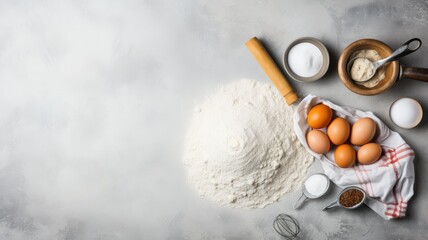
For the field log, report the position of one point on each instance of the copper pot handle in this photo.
(415, 73)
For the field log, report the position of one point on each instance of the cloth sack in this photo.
(388, 182)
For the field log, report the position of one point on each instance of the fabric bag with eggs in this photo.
(389, 181)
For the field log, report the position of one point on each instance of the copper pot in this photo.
(393, 70)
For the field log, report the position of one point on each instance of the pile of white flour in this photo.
(241, 149)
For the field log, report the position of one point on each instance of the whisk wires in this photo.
(286, 226)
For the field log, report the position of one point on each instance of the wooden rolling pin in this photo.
(272, 70)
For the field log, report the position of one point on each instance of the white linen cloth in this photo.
(389, 181)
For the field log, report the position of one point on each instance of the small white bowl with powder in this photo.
(306, 59)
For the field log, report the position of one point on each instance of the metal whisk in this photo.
(286, 226)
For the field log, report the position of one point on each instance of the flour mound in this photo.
(241, 149)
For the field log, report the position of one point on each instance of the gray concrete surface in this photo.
(95, 98)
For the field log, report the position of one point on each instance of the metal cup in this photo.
(306, 195)
(337, 202)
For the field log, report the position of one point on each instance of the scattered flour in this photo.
(241, 149)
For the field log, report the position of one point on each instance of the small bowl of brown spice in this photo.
(349, 198)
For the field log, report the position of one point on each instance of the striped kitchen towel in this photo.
(389, 181)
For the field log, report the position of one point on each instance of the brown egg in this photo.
(319, 116)
(363, 131)
(338, 131)
(369, 153)
(345, 156)
(318, 141)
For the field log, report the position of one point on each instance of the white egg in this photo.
(406, 112)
